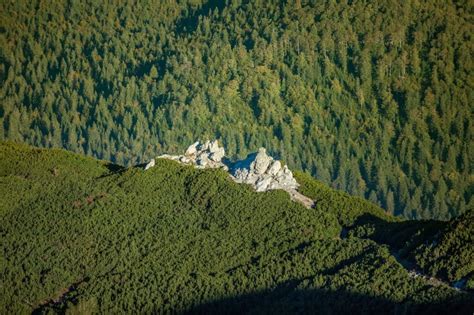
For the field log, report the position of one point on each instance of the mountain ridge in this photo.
(258, 169)
(175, 238)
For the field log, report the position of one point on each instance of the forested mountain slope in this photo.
(82, 235)
(373, 97)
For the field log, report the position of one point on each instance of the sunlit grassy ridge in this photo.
(80, 234)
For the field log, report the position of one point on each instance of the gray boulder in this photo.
(264, 173)
(263, 183)
(192, 149)
(203, 160)
(214, 147)
(261, 162)
(274, 168)
(217, 155)
(202, 155)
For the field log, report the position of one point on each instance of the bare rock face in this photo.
(214, 147)
(202, 155)
(261, 162)
(264, 173)
(263, 183)
(192, 149)
(150, 164)
(258, 169)
(274, 168)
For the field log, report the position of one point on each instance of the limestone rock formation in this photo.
(258, 169)
(263, 173)
(202, 155)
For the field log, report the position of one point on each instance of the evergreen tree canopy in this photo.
(372, 97)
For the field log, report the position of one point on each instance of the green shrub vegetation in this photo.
(440, 249)
(372, 97)
(80, 235)
(347, 209)
(450, 253)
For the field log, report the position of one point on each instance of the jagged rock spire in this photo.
(263, 172)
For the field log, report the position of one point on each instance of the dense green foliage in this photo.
(81, 235)
(346, 209)
(440, 249)
(450, 254)
(374, 97)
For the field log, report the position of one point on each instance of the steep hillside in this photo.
(439, 249)
(85, 235)
(372, 97)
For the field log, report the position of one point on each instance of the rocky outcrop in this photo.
(150, 164)
(259, 169)
(202, 155)
(263, 173)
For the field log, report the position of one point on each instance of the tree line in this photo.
(371, 97)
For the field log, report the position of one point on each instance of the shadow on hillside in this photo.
(189, 24)
(113, 169)
(287, 299)
(398, 235)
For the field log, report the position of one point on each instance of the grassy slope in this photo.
(175, 238)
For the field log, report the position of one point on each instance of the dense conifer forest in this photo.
(82, 236)
(372, 97)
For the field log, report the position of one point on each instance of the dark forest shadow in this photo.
(398, 235)
(190, 23)
(113, 169)
(287, 299)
